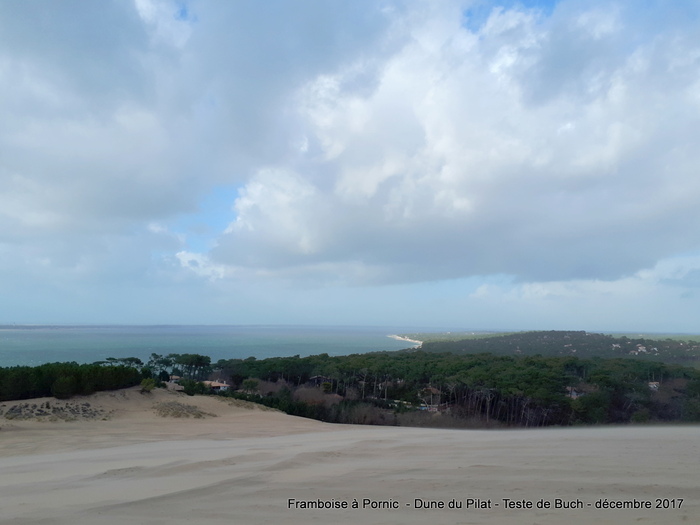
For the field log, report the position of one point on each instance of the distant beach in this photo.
(402, 338)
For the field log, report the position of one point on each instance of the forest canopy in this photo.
(527, 379)
(567, 343)
(64, 380)
(514, 390)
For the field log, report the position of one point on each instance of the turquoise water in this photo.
(34, 345)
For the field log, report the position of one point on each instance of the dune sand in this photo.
(127, 458)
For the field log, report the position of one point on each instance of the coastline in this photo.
(402, 338)
(86, 344)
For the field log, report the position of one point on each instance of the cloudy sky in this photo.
(459, 164)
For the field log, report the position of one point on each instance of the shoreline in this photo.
(402, 338)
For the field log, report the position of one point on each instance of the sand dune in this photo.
(240, 465)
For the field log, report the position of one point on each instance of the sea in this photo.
(36, 345)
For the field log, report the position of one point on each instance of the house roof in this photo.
(215, 384)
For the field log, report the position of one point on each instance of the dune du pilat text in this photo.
(485, 504)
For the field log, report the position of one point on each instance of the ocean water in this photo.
(35, 345)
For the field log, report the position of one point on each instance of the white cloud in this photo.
(458, 158)
(372, 144)
(645, 298)
(201, 265)
(274, 219)
(164, 17)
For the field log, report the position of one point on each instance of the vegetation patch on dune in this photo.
(180, 410)
(52, 411)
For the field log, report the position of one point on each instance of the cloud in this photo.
(131, 112)
(83, 146)
(547, 151)
(125, 115)
(547, 148)
(657, 299)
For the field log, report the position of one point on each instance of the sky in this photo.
(476, 164)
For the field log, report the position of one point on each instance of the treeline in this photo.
(511, 390)
(64, 380)
(407, 387)
(346, 411)
(194, 367)
(573, 343)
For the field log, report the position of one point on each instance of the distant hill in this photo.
(572, 343)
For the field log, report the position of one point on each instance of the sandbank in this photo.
(407, 339)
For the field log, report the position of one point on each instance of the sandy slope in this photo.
(243, 466)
